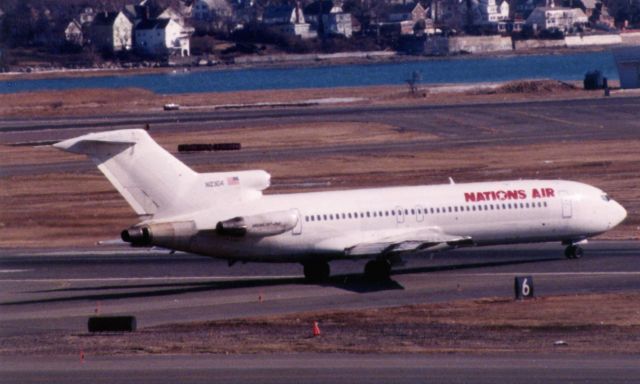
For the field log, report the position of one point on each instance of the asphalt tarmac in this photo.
(58, 291)
(50, 291)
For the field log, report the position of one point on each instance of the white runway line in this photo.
(623, 273)
(15, 270)
(185, 278)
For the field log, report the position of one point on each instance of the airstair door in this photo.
(297, 230)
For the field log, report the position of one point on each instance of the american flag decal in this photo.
(233, 180)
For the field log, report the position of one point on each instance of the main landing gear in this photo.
(573, 252)
(377, 270)
(316, 271)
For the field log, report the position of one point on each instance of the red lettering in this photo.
(522, 194)
(549, 192)
(480, 196)
(535, 194)
(501, 195)
(487, 195)
(469, 196)
(512, 195)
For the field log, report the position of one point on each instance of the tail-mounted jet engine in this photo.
(267, 224)
(175, 235)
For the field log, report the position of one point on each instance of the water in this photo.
(454, 70)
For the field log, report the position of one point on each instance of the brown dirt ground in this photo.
(132, 100)
(592, 323)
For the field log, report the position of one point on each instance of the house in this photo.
(112, 31)
(598, 14)
(288, 20)
(73, 33)
(406, 12)
(404, 19)
(328, 18)
(208, 10)
(557, 18)
(162, 37)
(449, 15)
(489, 12)
(86, 16)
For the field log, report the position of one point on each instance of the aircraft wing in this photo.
(411, 240)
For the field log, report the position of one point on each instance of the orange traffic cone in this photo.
(316, 329)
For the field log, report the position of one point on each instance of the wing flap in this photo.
(409, 241)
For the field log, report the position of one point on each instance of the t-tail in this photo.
(154, 182)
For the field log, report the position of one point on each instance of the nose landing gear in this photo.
(573, 252)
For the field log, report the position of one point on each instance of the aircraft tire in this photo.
(316, 271)
(573, 252)
(377, 270)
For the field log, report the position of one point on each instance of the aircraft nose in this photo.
(618, 214)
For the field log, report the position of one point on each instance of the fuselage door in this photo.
(399, 215)
(297, 230)
(567, 209)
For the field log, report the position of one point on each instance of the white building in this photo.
(328, 18)
(288, 20)
(73, 33)
(490, 12)
(160, 37)
(112, 31)
(557, 18)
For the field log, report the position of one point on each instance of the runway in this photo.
(58, 291)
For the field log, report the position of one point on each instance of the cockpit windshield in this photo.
(606, 197)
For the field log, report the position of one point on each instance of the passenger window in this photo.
(450, 210)
(393, 213)
(324, 216)
(368, 214)
(479, 207)
(431, 210)
(330, 217)
(386, 213)
(374, 214)
(473, 208)
(504, 206)
(455, 209)
(545, 203)
(406, 211)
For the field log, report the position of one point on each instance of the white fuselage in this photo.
(488, 212)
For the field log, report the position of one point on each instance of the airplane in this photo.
(226, 215)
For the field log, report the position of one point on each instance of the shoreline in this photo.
(284, 61)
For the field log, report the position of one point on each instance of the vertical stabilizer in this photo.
(146, 175)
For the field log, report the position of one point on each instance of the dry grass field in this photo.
(557, 324)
